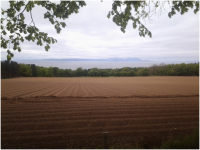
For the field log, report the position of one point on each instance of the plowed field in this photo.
(73, 112)
(100, 87)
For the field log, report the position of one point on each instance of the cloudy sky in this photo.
(90, 34)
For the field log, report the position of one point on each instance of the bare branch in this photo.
(31, 16)
(30, 23)
(32, 19)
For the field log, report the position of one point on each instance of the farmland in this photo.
(73, 112)
(100, 87)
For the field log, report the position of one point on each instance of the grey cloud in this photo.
(90, 34)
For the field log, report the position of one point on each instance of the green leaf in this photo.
(169, 14)
(58, 30)
(47, 47)
(19, 49)
(134, 25)
(12, 55)
(2, 19)
(15, 47)
(22, 39)
(149, 33)
(32, 38)
(4, 32)
(63, 24)
(8, 57)
(15, 19)
(108, 15)
(8, 51)
(146, 31)
(22, 16)
(122, 29)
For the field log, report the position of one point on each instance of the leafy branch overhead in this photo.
(14, 24)
(143, 10)
(121, 18)
(14, 29)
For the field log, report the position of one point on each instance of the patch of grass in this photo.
(188, 142)
(178, 142)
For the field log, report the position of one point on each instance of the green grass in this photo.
(188, 142)
(181, 142)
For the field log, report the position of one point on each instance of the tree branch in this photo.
(30, 23)
(31, 16)
(24, 8)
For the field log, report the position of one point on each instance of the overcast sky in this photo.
(90, 34)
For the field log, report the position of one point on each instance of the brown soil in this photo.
(76, 111)
(106, 87)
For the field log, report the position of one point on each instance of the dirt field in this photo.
(73, 112)
(98, 87)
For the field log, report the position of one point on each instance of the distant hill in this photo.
(109, 59)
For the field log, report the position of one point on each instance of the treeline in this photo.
(183, 69)
(13, 69)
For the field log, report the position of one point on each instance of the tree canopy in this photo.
(15, 30)
(13, 69)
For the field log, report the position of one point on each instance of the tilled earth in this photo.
(106, 87)
(134, 111)
(50, 122)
